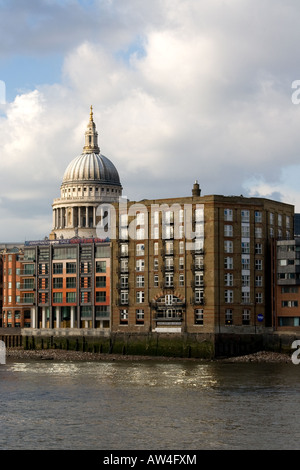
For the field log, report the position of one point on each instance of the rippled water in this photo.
(149, 405)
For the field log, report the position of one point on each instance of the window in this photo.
(155, 248)
(140, 233)
(245, 230)
(181, 280)
(228, 215)
(140, 264)
(124, 281)
(124, 316)
(228, 279)
(71, 282)
(101, 296)
(124, 265)
(71, 268)
(228, 296)
(181, 263)
(199, 282)
(139, 315)
(101, 281)
(271, 218)
(245, 263)
(246, 317)
(245, 280)
(198, 262)
(289, 303)
(169, 264)
(258, 248)
(228, 263)
(228, 246)
(140, 281)
(258, 217)
(155, 282)
(57, 297)
(57, 282)
(169, 279)
(245, 215)
(169, 246)
(228, 231)
(259, 297)
(245, 247)
(124, 297)
(228, 317)
(279, 220)
(199, 316)
(140, 295)
(71, 297)
(258, 232)
(100, 266)
(258, 264)
(140, 249)
(246, 297)
(155, 264)
(64, 253)
(124, 249)
(199, 296)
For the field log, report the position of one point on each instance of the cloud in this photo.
(180, 90)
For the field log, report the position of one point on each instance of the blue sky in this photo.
(181, 90)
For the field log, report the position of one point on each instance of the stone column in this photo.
(72, 317)
(87, 216)
(33, 318)
(43, 317)
(72, 217)
(57, 317)
(94, 216)
(79, 217)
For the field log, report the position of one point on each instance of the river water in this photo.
(148, 405)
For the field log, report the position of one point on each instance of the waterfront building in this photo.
(287, 285)
(61, 285)
(217, 279)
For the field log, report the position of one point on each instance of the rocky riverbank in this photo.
(64, 355)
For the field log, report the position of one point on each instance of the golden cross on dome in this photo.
(91, 113)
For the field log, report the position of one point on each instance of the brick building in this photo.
(218, 276)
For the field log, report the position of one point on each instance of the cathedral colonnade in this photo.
(74, 216)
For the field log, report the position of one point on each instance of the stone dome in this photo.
(91, 168)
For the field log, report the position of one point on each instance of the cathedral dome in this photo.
(91, 168)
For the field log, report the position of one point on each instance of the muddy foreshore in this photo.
(63, 355)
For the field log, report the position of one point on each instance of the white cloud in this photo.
(180, 90)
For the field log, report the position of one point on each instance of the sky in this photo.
(181, 90)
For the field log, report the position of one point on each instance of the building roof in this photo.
(91, 166)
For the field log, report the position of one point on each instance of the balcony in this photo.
(26, 301)
(168, 318)
(26, 272)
